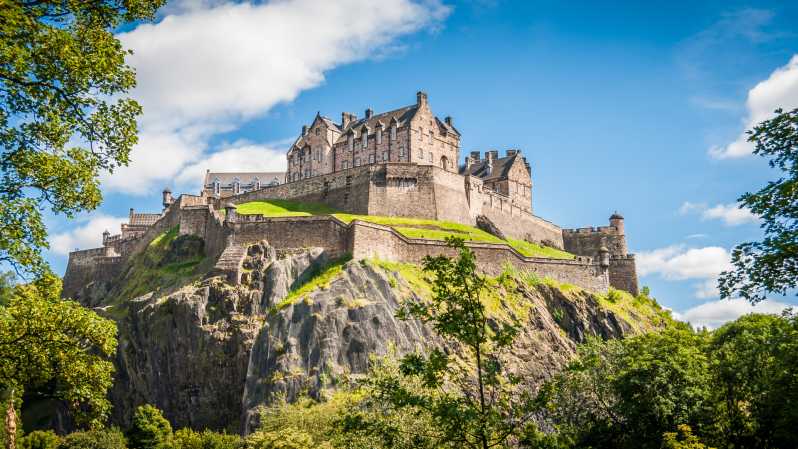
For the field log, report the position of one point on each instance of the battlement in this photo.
(592, 230)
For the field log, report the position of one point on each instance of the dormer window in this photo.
(351, 142)
(317, 131)
(365, 137)
(379, 136)
(236, 186)
(393, 131)
(217, 186)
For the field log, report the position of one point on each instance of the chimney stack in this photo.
(512, 152)
(421, 99)
(347, 118)
(448, 120)
(304, 129)
(369, 113)
(475, 156)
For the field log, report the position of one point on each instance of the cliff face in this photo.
(208, 353)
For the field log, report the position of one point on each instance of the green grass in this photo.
(283, 208)
(319, 278)
(409, 227)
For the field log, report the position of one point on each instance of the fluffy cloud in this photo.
(86, 235)
(209, 66)
(730, 214)
(780, 90)
(678, 262)
(714, 314)
(252, 157)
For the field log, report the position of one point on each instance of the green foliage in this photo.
(7, 283)
(56, 348)
(755, 360)
(94, 439)
(283, 208)
(190, 439)
(63, 119)
(683, 439)
(285, 438)
(39, 439)
(771, 265)
(478, 402)
(317, 278)
(150, 430)
(169, 260)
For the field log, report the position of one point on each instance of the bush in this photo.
(39, 439)
(190, 439)
(150, 430)
(94, 439)
(286, 438)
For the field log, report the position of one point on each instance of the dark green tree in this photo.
(63, 119)
(57, 348)
(150, 430)
(94, 439)
(754, 365)
(473, 401)
(771, 265)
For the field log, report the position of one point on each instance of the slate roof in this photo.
(137, 219)
(402, 116)
(245, 178)
(500, 169)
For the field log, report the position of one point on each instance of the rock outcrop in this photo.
(209, 353)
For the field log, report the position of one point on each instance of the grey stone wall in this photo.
(623, 273)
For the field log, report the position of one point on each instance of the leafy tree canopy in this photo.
(62, 120)
(57, 348)
(771, 265)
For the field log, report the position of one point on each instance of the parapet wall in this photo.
(588, 241)
(623, 273)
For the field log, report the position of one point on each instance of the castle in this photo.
(398, 163)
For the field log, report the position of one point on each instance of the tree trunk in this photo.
(11, 424)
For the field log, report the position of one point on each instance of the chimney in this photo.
(512, 152)
(369, 113)
(304, 129)
(526, 164)
(448, 120)
(347, 118)
(131, 215)
(421, 99)
(475, 156)
(492, 155)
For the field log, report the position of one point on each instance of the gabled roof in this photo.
(401, 115)
(499, 169)
(227, 178)
(447, 127)
(138, 219)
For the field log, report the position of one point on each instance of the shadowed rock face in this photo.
(209, 354)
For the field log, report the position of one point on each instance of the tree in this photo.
(62, 120)
(94, 439)
(771, 265)
(150, 430)
(628, 393)
(472, 400)
(57, 348)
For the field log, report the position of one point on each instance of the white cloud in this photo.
(87, 235)
(210, 66)
(714, 314)
(780, 90)
(250, 156)
(730, 214)
(678, 263)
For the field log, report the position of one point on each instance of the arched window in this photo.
(393, 131)
(236, 186)
(217, 186)
(444, 163)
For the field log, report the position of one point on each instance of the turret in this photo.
(106, 235)
(167, 198)
(229, 212)
(604, 257)
(616, 220)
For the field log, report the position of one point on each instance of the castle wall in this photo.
(87, 266)
(587, 241)
(402, 190)
(293, 232)
(451, 203)
(381, 242)
(623, 273)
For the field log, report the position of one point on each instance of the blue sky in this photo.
(618, 107)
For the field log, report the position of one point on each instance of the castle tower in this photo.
(616, 220)
(167, 198)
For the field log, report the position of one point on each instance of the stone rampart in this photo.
(623, 273)
(588, 241)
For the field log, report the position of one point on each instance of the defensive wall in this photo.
(410, 190)
(359, 238)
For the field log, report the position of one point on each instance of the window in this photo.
(385, 156)
(393, 131)
(379, 136)
(365, 138)
(351, 142)
(430, 156)
(371, 158)
(236, 186)
(317, 131)
(431, 136)
(402, 150)
(421, 154)
(217, 187)
(357, 162)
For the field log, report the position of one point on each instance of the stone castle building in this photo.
(397, 163)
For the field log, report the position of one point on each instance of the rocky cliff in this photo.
(209, 353)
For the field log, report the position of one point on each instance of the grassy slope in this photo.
(409, 227)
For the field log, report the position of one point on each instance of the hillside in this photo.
(209, 353)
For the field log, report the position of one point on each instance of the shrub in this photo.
(190, 439)
(39, 439)
(285, 438)
(94, 439)
(150, 430)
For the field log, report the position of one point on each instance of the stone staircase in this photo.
(230, 261)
